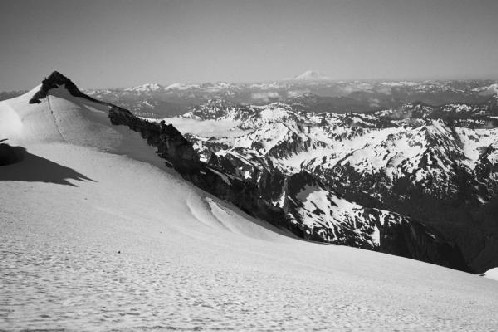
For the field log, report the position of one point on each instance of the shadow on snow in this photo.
(32, 168)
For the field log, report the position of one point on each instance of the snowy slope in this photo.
(187, 260)
(63, 118)
(492, 274)
(180, 267)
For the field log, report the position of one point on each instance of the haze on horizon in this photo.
(103, 43)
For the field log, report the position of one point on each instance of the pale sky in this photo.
(104, 43)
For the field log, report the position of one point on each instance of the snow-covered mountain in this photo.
(311, 90)
(417, 163)
(311, 75)
(97, 233)
(146, 88)
(181, 86)
(378, 164)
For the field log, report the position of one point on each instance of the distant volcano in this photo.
(310, 75)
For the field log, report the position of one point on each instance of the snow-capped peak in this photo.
(181, 86)
(147, 87)
(56, 80)
(311, 75)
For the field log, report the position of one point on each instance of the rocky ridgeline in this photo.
(56, 80)
(170, 144)
(297, 202)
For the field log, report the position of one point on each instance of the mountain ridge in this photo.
(252, 177)
(54, 80)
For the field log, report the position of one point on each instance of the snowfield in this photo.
(96, 235)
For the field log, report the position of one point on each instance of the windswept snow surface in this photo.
(186, 260)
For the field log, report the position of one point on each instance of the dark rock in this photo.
(55, 80)
(170, 143)
(10, 155)
(417, 241)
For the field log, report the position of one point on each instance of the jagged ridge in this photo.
(55, 80)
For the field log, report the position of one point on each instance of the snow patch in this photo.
(492, 274)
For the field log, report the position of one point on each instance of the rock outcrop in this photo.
(55, 80)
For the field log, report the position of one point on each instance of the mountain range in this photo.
(416, 180)
(97, 196)
(337, 177)
(314, 91)
(427, 171)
